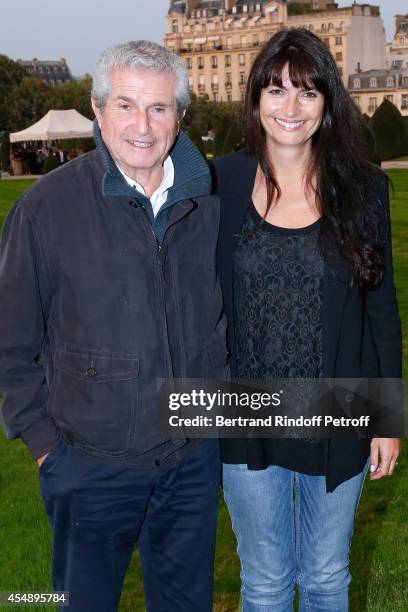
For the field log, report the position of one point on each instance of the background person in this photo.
(105, 275)
(305, 264)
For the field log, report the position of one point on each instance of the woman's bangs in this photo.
(302, 71)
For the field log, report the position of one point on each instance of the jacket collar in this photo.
(191, 172)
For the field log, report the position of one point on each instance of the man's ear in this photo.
(97, 112)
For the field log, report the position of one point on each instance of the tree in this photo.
(75, 95)
(30, 100)
(195, 136)
(229, 127)
(11, 74)
(388, 128)
(233, 139)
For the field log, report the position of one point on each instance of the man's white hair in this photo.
(135, 55)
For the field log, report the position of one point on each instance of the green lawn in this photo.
(379, 558)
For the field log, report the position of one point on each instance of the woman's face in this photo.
(290, 115)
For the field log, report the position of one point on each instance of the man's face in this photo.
(139, 122)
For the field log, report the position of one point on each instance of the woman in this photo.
(305, 263)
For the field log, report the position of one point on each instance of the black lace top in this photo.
(277, 321)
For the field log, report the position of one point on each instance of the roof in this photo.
(54, 125)
(380, 74)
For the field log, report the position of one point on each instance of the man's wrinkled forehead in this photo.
(143, 84)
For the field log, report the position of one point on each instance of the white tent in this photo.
(56, 124)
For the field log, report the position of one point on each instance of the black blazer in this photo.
(361, 331)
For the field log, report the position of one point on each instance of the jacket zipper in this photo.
(158, 250)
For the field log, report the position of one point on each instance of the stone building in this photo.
(369, 88)
(397, 50)
(219, 39)
(49, 71)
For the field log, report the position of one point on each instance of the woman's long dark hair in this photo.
(345, 181)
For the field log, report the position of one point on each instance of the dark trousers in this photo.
(99, 512)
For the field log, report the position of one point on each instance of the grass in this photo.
(379, 555)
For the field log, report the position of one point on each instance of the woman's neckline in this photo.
(284, 230)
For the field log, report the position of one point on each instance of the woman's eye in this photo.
(310, 94)
(275, 92)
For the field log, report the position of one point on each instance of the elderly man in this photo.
(107, 283)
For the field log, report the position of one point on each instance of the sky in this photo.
(80, 29)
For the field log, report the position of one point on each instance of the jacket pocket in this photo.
(217, 360)
(93, 398)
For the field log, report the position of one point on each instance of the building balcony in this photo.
(220, 47)
(372, 108)
(201, 88)
(228, 84)
(214, 86)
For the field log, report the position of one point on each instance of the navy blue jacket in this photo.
(361, 330)
(98, 300)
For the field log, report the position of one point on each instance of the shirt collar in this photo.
(166, 183)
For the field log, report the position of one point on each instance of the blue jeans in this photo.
(290, 530)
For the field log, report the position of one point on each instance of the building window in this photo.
(214, 79)
(373, 82)
(339, 40)
(242, 78)
(404, 81)
(228, 78)
(311, 28)
(356, 100)
(390, 82)
(372, 104)
(174, 26)
(214, 61)
(390, 98)
(404, 101)
(245, 8)
(227, 60)
(357, 83)
(189, 63)
(200, 62)
(255, 40)
(331, 26)
(324, 26)
(190, 82)
(241, 59)
(339, 56)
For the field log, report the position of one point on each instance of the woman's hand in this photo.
(383, 456)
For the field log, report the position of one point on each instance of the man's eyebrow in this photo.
(132, 100)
